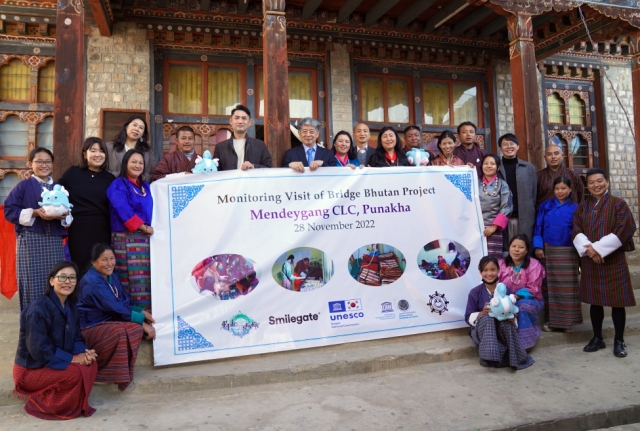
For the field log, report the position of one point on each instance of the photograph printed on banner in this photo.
(225, 276)
(444, 259)
(377, 264)
(302, 269)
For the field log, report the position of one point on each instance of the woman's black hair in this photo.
(486, 260)
(443, 136)
(98, 249)
(290, 257)
(73, 297)
(143, 141)
(494, 157)
(125, 162)
(32, 154)
(353, 152)
(86, 146)
(380, 149)
(527, 258)
(567, 182)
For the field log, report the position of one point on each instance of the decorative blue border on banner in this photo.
(182, 195)
(189, 338)
(464, 184)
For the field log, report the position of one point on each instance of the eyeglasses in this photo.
(308, 132)
(63, 278)
(508, 144)
(43, 162)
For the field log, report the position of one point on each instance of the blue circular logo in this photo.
(403, 305)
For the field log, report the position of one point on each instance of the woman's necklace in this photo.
(113, 289)
(142, 191)
(486, 183)
(516, 274)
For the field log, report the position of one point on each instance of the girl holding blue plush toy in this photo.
(523, 277)
(39, 232)
(494, 334)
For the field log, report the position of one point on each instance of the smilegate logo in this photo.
(342, 306)
(288, 318)
(343, 313)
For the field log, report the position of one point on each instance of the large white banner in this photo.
(269, 260)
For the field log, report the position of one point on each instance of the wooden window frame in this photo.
(205, 86)
(314, 90)
(450, 83)
(385, 97)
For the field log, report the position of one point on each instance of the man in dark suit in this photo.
(309, 154)
(361, 135)
(240, 151)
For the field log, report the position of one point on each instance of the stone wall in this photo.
(341, 97)
(621, 148)
(117, 73)
(504, 99)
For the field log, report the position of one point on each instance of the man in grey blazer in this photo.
(240, 151)
(523, 181)
(361, 135)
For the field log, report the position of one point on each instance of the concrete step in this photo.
(313, 364)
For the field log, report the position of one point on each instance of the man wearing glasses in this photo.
(309, 154)
(523, 182)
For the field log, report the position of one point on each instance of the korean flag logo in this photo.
(353, 304)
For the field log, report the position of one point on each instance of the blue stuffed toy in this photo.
(55, 203)
(502, 306)
(206, 165)
(417, 157)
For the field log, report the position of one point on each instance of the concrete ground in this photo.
(566, 389)
(424, 382)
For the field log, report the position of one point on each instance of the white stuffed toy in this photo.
(206, 164)
(502, 305)
(418, 157)
(55, 203)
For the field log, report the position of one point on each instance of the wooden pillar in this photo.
(526, 96)
(275, 80)
(68, 104)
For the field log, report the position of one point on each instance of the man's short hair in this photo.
(508, 137)
(412, 127)
(467, 123)
(309, 121)
(596, 171)
(241, 108)
(184, 129)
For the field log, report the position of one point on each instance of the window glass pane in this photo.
(185, 89)
(223, 90)
(44, 134)
(300, 85)
(14, 81)
(579, 149)
(46, 83)
(398, 94)
(435, 97)
(465, 103)
(13, 137)
(372, 103)
(6, 184)
(555, 106)
(577, 111)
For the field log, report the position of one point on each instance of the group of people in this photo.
(577, 254)
(71, 337)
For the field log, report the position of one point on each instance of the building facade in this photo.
(556, 69)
